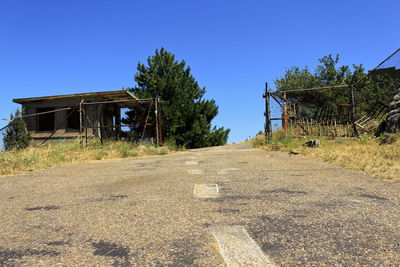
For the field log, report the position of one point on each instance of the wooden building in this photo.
(60, 117)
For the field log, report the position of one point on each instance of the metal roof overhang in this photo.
(122, 98)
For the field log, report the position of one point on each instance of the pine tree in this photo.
(16, 135)
(186, 115)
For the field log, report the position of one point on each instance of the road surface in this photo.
(230, 205)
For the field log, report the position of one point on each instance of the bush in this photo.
(257, 141)
(16, 135)
(388, 138)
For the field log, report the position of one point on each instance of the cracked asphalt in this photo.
(142, 212)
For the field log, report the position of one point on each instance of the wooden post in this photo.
(353, 109)
(156, 121)
(312, 126)
(336, 131)
(267, 114)
(159, 121)
(145, 122)
(81, 123)
(285, 117)
(117, 112)
(86, 128)
(319, 128)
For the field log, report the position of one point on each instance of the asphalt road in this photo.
(162, 211)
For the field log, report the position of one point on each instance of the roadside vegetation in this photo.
(29, 159)
(378, 156)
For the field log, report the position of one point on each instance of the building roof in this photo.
(123, 95)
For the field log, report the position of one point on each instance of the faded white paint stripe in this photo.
(206, 190)
(191, 162)
(195, 171)
(238, 248)
(226, 170)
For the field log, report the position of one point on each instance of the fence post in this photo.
(81, 123)
(353, 109)
(285, 117)
(267, 114)
(156, 121)
(319, 128)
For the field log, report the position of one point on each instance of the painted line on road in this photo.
(206, 190)
(195, 171)
(226, 170)
(238, 248)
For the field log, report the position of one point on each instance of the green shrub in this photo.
(388, 138)
(16, 135)
(259, 140)
(126, 150)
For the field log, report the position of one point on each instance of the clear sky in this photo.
(233, 47)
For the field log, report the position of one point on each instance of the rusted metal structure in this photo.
(324, 122)
(330, 121)
(86, 115)
(339, 120)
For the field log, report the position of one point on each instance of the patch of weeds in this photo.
(388, 138)
(43, 208)
(101, 154)
(257, 141)
(162, 151)
(126, 150)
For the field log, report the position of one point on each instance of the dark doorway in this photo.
(45, 122)
(73, 122)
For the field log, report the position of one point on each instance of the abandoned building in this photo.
(88, 115)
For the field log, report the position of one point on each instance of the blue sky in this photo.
(232, 47)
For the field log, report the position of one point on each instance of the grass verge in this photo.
(379, 157)
(37, 158)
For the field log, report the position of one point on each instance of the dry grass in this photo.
(369, 154)
(37, 158)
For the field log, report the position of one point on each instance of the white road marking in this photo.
(238, 248)
(226, 170)
(195, 171)
(206, 190)
(191, 162)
